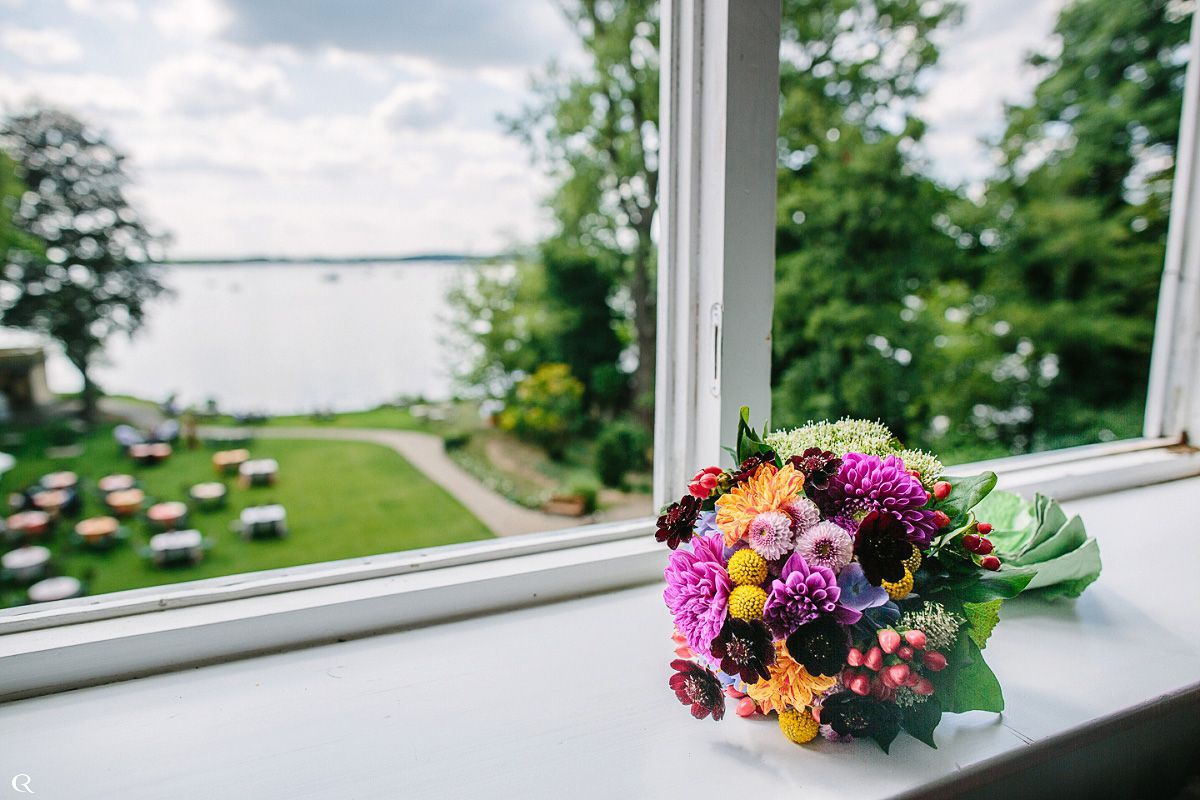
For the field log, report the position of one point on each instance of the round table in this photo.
(48, 590)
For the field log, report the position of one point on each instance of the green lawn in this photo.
(343, 499)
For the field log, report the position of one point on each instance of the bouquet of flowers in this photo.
(848, 586)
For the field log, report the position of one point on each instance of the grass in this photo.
(344, 499)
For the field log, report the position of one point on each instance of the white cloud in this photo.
(118, 10)
(41, 46)
(414, 105)
(184, 19)
(83, 92)
(206, 83)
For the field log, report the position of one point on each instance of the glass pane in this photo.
(973, 203)
(387, 269)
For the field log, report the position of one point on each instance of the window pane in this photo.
(973, 204)
(387, 269)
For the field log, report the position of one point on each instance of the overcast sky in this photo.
(351, 127)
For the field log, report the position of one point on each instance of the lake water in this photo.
(287, 338)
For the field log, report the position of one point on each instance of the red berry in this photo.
(923, 687)
(905, 653)
(941, 490)
(855, 657)
(940, 519)
(985, 547)
(915, 638)
(860, 685)
(971, 542)
(889, 640)
(934, 661)
(898, 673)
(990, 562)
(746, 707)
(874, 659)
(984, 527)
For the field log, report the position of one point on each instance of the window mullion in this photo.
(720, 118)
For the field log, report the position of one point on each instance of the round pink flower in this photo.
(770, 534)
(804, 513)
(826, 544)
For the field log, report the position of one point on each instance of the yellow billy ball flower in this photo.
(913, 562)
(799, 726)
(747, 568)
(901, 588)
(746, 602)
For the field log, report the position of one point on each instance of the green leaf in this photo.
(1067, 538)
(749, 443)
(1001, 585)
(921, 719)
(982, 619)
(966, 493)
(971, 685)
(1050, 520)
(1004, 511)
(1069, 574)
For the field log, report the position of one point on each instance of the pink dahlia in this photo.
(804, 514)
(826, 544)
(870, 483)
(801, 594)
(698, 591)
(770, 534)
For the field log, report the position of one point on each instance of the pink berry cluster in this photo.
(978, 544)
(898, 660)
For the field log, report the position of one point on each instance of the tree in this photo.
(1073, 231)
(858, 238)
(595, 129)
(95, 277)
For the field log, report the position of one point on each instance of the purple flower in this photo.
(698, 591)
(868, 483)
(857, 591)
(801, 594)
(706, 523)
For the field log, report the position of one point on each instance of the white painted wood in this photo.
(1173, 400)
(720, 120)
(165, 628)
(570, 700)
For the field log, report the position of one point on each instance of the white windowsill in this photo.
(570, 699)
(89, 641)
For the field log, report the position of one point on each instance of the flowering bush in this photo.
(845, 584)
(546, 408)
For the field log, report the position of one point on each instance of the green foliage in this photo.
(968, 683)
(545, 408)
(620, 448)
(456, 440)
(588, 492)
(921, 719)
(94, 278)
(595, 130)
(982, 619)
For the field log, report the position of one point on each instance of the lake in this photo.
(287, 337)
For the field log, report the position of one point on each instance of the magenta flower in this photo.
(698, 591)
(868, 483)
(801, 594)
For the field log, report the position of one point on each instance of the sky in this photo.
(360, 127)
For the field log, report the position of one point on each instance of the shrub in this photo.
(547, 407)
(620, 448)
(588, 492)
(456, 440)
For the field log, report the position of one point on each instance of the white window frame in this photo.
(716, 281)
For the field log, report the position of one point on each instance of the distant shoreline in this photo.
(330, 260)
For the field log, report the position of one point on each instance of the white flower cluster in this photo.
(939, 625)
(854, 436)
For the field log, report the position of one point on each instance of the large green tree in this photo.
(859, 240)
(94, 278)
(1073, 231)
(595, 129)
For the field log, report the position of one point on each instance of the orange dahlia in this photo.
(790, 685)
(768, 489)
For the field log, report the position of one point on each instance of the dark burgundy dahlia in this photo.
(881, 547)
(861, 717)
(818, 467)
(820, 646)
(698, 687)
(678, 521)
(749, 467)
(744, 649)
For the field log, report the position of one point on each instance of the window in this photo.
(376, 320)
(973, 219)
(716, 237)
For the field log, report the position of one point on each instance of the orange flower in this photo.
(790, 685)
(768, 489)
